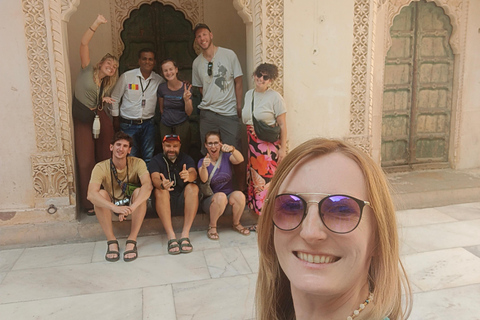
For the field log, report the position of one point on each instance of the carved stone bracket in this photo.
(121, 9)
(244, 10)
(50, 176)
(68, 8)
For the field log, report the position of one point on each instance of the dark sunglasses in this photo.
(265, 76)
(339, 213)
(209, 70)
(171, 137)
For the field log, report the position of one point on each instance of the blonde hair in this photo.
(108, 81)
(386, 276)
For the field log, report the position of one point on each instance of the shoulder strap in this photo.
(217, 164)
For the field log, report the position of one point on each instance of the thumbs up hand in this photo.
(206, 161)
(184, 174)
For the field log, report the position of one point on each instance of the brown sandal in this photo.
(212, 235)
(241, 229)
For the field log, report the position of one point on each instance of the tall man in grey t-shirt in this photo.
(218, 74)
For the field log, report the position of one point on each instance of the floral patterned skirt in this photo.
(261, 166)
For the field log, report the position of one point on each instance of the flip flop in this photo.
(188, 244)
(212, 235)
(172, 243)
(134, 250)
(112, 251)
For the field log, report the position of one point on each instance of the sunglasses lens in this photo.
(210, 66)
(265, 77)
(340, 214)
(288, 213)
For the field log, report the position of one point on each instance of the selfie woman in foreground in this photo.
(328, 239)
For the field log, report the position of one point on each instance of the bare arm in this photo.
(203, 171)
(160, 104)
(192, 174)
(187, 98)
(239, 95)
(87, 36)
(282, 122)
(236, 156)
(94, 196)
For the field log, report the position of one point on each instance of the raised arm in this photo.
(87, 36)
(187, 98)
(239, 95)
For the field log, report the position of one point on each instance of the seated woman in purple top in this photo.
(175, 101)
(221, 183)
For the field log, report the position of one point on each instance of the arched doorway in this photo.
(166, 31)
(163, 29)
(417, 98)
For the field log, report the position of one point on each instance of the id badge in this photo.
(144, 102)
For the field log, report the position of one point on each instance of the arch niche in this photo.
(384, 14)
(46, 37)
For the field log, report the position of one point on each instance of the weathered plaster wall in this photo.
(16, 116)
(101, 42)
(469, 148)
(318, 58)
(228, 31)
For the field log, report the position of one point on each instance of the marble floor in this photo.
(440, 248)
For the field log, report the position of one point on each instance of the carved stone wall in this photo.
(52, 165)
(361, 103)
(121, 9)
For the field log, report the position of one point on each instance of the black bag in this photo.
(81, 112)
(262, 130)
(205, 189)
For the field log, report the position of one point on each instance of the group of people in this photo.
(174, 176)
(327, 234)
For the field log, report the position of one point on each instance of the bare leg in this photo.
(104, 216)
(237, 201)
(162, 206)
(137, 219)
(190, 210)
(217, 207)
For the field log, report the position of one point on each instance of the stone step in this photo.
(88, 229)
(434, 188)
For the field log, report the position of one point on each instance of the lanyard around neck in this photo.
(113, 172)
(141, 85)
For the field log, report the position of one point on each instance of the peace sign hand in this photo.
(187, 94)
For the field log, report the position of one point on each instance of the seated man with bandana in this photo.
(172, 174)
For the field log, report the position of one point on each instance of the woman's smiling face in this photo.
(316, 260)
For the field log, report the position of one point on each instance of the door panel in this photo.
(163, 29)
(418, 87)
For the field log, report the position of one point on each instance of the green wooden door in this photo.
(418, 88)
(170, 35)
(163, 29)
